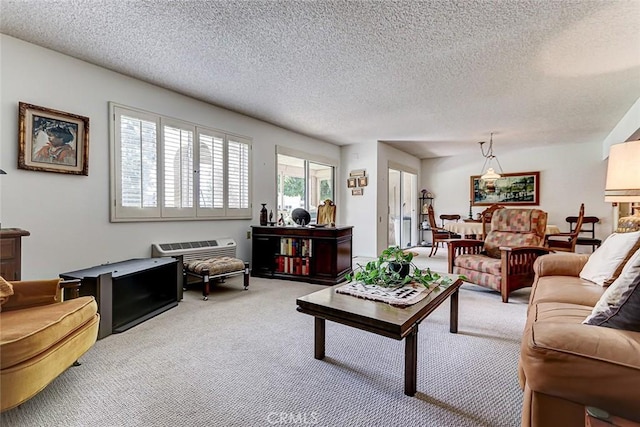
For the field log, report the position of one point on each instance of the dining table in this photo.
(475, 228)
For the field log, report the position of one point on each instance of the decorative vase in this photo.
(263, 214)
(401, 268)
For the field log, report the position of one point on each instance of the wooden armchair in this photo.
(438, 234)
(504, 260)
(566, 242)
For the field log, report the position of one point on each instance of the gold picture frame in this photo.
(362, 181)
(352, 182)
(357, 191)
(52, 141)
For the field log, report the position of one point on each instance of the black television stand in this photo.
(131, 292)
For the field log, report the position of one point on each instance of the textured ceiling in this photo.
(431, 77)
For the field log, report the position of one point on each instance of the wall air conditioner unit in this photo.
(197, 250)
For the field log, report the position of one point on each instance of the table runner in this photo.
(405, 296)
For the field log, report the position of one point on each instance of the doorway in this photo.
(402, 207)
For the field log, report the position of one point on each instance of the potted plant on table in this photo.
(394, 268)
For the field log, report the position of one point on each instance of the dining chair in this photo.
(587, 233)
(438, 234)
(566, 242)
(449, 217)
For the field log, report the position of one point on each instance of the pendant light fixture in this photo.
(490, 176)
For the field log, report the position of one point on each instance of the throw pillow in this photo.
(6, 290)
(606, 263)
(619, 305)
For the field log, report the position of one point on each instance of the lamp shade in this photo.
(623, 173)
(490, 175)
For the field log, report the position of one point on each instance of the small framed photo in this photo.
(362, 181)
(357, 191)
(351, 183)
(52, 141)
(358, 172)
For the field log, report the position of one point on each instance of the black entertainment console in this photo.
(130, 292)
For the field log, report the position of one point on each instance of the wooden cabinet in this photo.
(316, 255)
(11, 252)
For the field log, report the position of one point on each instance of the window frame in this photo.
(120, 213)
(307, 158)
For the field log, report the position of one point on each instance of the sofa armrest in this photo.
(585, 364)
(33, 293)
(560, 264)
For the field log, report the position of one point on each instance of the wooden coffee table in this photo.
(380, 318)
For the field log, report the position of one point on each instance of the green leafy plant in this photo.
(386, 271)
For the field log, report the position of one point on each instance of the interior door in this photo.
(402, 208)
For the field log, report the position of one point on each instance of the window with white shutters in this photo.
(168, 169)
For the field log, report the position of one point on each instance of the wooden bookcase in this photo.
(316, 255)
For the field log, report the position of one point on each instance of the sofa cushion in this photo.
(562, 357)
(566, 289)
(216, 265)
(619, 306)
(479, 263)
(606, 263)
(497, 239)
(515, 227)
(28, 332)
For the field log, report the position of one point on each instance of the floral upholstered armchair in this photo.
(504, 260)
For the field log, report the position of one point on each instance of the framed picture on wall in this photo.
(352, 183)
(518, 189)
(362, 181)
(52, 141)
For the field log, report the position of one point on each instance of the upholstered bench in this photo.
(216, 268)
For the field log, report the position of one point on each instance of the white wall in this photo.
(629, 124)
(360, 211)
(68, 216)
(569, 175)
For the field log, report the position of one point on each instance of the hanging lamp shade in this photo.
(490, 175)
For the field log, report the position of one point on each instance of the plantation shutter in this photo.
(238, 175)
(210, 173)
(178, 169)
(135, 179)
(170, 169)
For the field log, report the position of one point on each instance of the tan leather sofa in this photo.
(40, 336)
(566, 365)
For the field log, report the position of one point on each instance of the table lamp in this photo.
(623, 180)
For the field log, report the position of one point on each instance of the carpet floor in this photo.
(245, 358)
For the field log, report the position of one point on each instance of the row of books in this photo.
(295, 247)
(290, 265)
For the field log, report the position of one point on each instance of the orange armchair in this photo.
(41, 336)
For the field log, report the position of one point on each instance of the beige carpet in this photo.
(245, 358)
